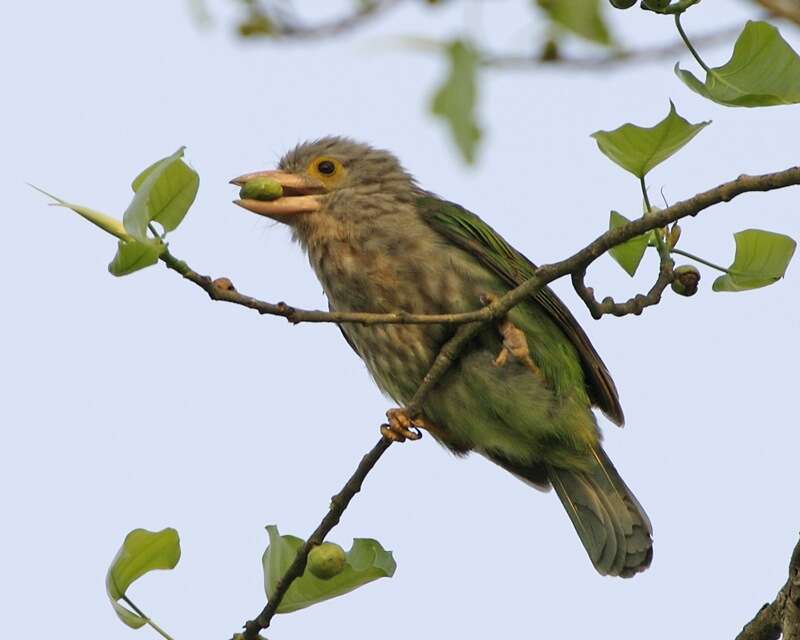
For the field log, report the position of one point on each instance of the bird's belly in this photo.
(397, 355)
(476, 405)
(432, 281)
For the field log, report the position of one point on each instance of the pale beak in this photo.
(299, 195)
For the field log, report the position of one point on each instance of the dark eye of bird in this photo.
(326, 167)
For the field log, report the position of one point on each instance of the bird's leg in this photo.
(515, 343)
(401, 427)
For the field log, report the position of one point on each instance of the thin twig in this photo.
(338, 504)
(542, 276)
(782, 615)
(634, 305)
(221, 290)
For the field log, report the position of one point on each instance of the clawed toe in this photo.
(400, 427)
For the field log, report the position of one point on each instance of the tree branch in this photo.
(612, 59)
(782, 615)
(284, 28)
(221, 289)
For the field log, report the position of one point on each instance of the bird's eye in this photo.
(326, 167)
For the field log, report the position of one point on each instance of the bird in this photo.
(522, 391)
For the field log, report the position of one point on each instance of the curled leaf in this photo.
(366, 561)
(763, 71)
(761, 259)
(141, 552)
(163, 193)
(133, 255)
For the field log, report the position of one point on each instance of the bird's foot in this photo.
(401, 427)
(515, 343)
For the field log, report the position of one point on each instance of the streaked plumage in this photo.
(380, 243)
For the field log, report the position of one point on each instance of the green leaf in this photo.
(163, 193)
(582, 17)
(639, 149)
(456, 98)
(761, 259)
(628, 254)
(173, 193)
(141, 552)
(105, 222)
(367, 560)
(763, 71)
(133, 255)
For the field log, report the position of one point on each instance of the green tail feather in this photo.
(613, 527)
(610, 522)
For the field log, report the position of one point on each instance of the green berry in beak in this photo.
(261, 188)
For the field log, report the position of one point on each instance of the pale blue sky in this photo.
(138, 402)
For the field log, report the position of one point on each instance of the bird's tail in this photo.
(610, 522)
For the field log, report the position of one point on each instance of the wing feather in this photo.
(472, 234)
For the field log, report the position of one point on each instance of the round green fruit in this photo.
(623, 4)
(326, 560)
(261, 189)
(687, 277)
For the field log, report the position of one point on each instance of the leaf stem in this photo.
(700, 260)
(644, 193)
(159, 630)
(689, 45)
(661, 246)
(147, 619)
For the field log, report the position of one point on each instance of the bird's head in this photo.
(333, 179)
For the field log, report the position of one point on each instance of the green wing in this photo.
(477, 238)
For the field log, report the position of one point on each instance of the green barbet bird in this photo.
(380, 243)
